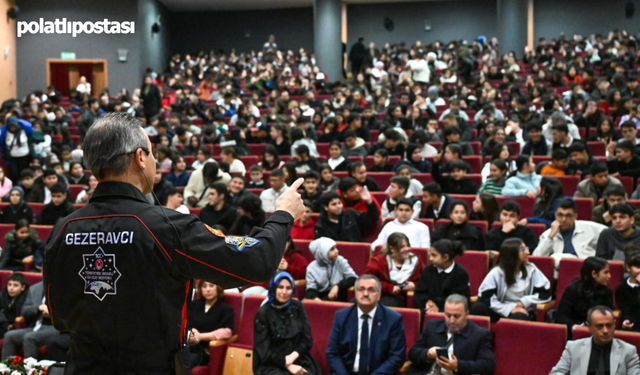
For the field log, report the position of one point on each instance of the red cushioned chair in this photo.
(569, 184)
(357, 253)
(75, 190)
(195, 211)
(412, 329)
(627, 182)
(597, 148)
(379, 196)
(255, 148)
(36, 207)
(189, 159)
(4, 278)
(427, 222)
(515, 148)
(537, 159)
(303, 247)
(527, 347)
(475, 162)
(424, 178)
(4, 230)
(323, 148)
(249, 161)
(467, 198)
(584, 208)
(476, 146)
(375, 133)
(382, 178)
(321, 316)
(546, 266)
(526, 204)
(256, 191)
(32, 278)
(632, 338)
(218, 348)
(477, 265)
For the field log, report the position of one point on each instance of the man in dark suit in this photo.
(436, 203)
(366, 338)
(469, 345)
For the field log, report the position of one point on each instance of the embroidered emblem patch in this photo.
(241, 242)
(215, 232)
(99, 274)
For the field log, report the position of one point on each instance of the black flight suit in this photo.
(117, 277)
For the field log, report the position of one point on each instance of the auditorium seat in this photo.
(32, 278)
(584, 208)
(195, 211)
(379, 196)
(218, 348)
(303, 247)
(321, 316)
(569, 184)
(597, 148)
(477, 265)
(467, 198)
(382, 178)
(249, 161)
(412, 329)
(36, 207)
(357, 253)
(527, 347)
(75, 190)
(43, 231)
(189, 159)
(256, 149)
(4, 278)
(323, 148)
(526, 204)
(424, 178)
(255, 191)
(627, 182)
(427, 222)
(4, 230)
(632, 338)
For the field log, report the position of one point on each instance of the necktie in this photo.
(363, 364)
(601, 370)
(437, 370)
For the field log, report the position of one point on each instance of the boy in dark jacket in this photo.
(58, 208)
(11, 300)
(345, 225)
(457, 181)
(509, 217)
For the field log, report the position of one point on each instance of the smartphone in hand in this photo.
(442, 352)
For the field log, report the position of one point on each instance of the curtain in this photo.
(60, 77)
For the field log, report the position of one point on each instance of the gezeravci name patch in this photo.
(241, 243)
(99, 273)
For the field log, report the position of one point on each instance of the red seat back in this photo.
(569, 269)
(427, 222)
(382, 178)
(256, 149)
(321, 315)
(424, 178)
(43, 231)
(545, 265)
(4, 278)
(526, 204)
(248, 161)
(411, 319)
(467, 198)
(512, 357)
(358, 255)
(4, 229)
(569, 184)
(235, 301)
(36, 207)
(597, 148)
(584, 208)
(477, 265)
(245, 331)
(627, 182)
(303, 247)
(75, 190)
(32, 278)
(323, 148)
(379, 196)
(482, 321)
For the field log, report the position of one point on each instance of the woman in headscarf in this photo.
(413, 159)
(330, 275)
(17, 208)
(282, 333)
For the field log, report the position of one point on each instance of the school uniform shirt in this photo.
(436, 284)
(628, 301)
(417, 232)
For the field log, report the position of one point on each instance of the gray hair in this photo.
(456, 299)
(604, 310)
(368, 277)
(109, 140)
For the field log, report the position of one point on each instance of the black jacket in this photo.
(151, 100)
(348, 227)
(443, 214)
(496, 236)
(573, 306)
(628, 301)
(225, 217)
(472, 346)
(130, 318)
(51, 213)
(471, 236)
(437, 286)
(12, 213)
(450, 186)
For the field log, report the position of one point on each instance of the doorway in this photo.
(65, 74)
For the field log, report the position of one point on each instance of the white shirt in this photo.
(237, 166)
(269, 197)
(448, 269)
(632, 285)
(417, 233)
(15, 150)
(402, 274)
(437, 213)
(198, 165)
(356, 361)
(47, 195)
(84, 88)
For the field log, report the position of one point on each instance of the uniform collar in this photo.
(117, 189)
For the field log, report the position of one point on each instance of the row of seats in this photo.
(515, 341)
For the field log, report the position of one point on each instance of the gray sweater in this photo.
(611, 244)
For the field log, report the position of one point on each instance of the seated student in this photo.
(595, 186)
(311, 191)
(452, 137)
(236, 189)
(392, 143)
(59, 207)
(548, 195)
(629, 132)
(278, 187)
(613, 195)
(41, 192)
(561, 136)
(282, 333)
(397, 268)
(219, 211)
(179, 176)
(581, 160)
(509, 228)
(16, 209)
(399, 188)
(12, 299)
(85, 194)
(526, 182)
(26, 183)
(303, 161)
(328, 182)
(628, 292)
(494, 184)
(625, 162)
(353, 145)
(358, 171)
(350, 192)
(299, 138)
(348, 353)
(568, 237)
(250, 214)
(417, 232)
(75, 176)
(514, 287)
(459, 229)
(601, 351)
(381, 161)
(330, 275)
(270, 158)
(303, 229)
(210, 319)
(557, 165)
(436, 203)
(457, 181)
(345, 224)
(442, 277)
(586, 291)
(414, 160)
(469, 345)
(175, 201)
(21, 246)
(203, 156)
(501, 151)
(229, 156)
(280, 139)
(163, 158)
(452, 153)
(485, 208)
(613, 240)
(336, 161)
(256, 176)
(537, 144)
(415, 186)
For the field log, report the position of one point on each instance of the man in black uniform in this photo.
(117, 273)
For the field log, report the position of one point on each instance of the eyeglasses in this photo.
(524, 249)
(563, 216)
(146, 151)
